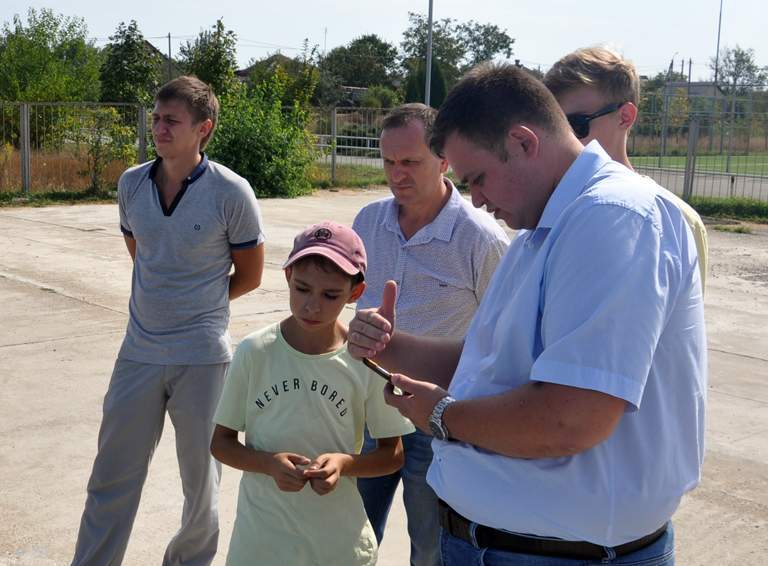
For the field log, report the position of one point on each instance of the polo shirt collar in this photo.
(191, 178)
(574, 182)
(441, 228)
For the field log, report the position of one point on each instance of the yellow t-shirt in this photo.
(699, 235)
(696, 225)
(287, 401)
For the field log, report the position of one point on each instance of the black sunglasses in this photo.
(580, 122)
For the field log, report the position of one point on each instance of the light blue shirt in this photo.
(604, 294)
(442, 271)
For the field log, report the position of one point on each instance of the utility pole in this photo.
(169, 56)
(428, 74)
(690, 64)
(717, 53)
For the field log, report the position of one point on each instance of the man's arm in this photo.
(249, 267)
(130, 243)
(537, 420)
(427, 358)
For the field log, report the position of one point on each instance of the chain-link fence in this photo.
(86, 146)
(721, 156)
(68, 146)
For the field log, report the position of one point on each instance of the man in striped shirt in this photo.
(442, 252)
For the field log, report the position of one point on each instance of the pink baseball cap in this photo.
(334, 241)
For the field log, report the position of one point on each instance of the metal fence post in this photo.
(664, 127)
(690, 160)
(731, 124)
(141, 131)
(333, 146)
(26, 150)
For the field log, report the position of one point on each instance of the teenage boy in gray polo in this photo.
(186, 222)
(442, 252)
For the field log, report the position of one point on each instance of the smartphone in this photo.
(376, 368)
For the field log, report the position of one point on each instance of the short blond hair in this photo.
(598, 67)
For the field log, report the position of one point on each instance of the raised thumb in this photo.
(388, 299)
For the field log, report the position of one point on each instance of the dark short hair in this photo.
(329, 266)
(488, 101)
(406, 113)
(197, 95)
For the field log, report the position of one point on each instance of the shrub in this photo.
(744, 208)
(106, 139)
(264, 142)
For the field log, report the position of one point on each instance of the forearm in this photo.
(385, 459)
(248, 268)
(422, 357)
(538, 420)
(239, 284)
(231, 452)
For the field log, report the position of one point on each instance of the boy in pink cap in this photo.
(303, 403)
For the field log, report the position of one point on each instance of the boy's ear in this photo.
(357, 290)
(627, 115)
(288, 270)
(205, 127)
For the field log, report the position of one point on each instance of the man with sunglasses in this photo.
(599, 92)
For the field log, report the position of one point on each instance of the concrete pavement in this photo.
(64, 285)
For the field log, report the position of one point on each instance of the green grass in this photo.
(346, 176)
(741, 208)
(54, 197)
(740, 164)
(738, 229)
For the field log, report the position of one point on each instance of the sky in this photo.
(648, 32)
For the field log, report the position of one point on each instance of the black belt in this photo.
(486, 537)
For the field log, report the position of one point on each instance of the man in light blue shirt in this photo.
(570, 421)
(442, 253)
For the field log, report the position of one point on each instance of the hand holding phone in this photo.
(377, 369)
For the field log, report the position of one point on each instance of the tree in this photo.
(212, 58)
(737, 71)
(300, 74)
(48, 59)
(366, 61)
(417, 79)
(379, 96)
(131, 69)
(458, 46)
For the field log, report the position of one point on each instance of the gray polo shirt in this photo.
(179, 305)
(442, 271)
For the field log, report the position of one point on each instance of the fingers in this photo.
(368, 335)
(297, 459)
(317, 473)
(388, 300)
(321, 487)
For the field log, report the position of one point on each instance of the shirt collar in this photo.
(191, 178)
(441, 228)
(573, 183)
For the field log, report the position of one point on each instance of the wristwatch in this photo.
(436, 424)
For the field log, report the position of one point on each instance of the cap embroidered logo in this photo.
(323, 234)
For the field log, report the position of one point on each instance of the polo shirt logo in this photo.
(197, 227)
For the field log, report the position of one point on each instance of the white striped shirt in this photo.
(442, 271)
